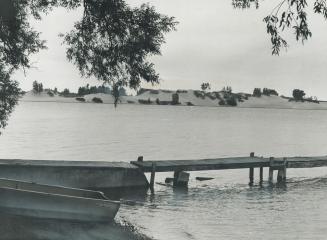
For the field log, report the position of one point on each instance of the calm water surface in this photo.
(224, 208)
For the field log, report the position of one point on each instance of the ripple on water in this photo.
(223, 208)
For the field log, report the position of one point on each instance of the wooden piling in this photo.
(251, 176)
(271, 170)
(284, 175)
(261, 175)
(153, 174)
(280, 175)
(176, 174)
(271, 175)
(285, 167)
(181, 179)
(251, 171)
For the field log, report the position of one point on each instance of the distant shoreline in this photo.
(267, 107)
(187, 98)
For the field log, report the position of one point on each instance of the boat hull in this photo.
(76, 174)
(53, 206)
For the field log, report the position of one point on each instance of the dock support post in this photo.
(285, 167)
(271, 170)
(153, 174)
(251, 176)
(271, 175)
(181, 179)
(282, 173)
(261, 176)
(176, 174)
(251, 171)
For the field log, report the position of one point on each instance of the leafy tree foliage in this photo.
(50, 92)
(265, 91)
(288, 14)
(37, 87)
(175, 99)
(18, 39)
(117, 91)
(97, 100)
(245, 3)
(257, 92)
(269, 92)
(231, 100)
(205, 86)
(298, 94)
(9, 94)
(65, 92)
(227, 89)
(111, 42)
(92, 90)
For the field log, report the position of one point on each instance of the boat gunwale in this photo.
(61, 195)
(67, 164)
(14, 181)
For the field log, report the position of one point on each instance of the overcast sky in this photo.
(213, 43)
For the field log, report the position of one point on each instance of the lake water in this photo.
(223, 208)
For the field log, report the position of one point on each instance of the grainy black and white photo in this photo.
(163, 119)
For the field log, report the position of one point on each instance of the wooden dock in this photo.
(251, 162)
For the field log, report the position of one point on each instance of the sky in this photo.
(213, 43)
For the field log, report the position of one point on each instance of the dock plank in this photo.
(176, 165)
(229, 163)
(307, 162)
(203, 164)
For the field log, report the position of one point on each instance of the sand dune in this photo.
(186, 97)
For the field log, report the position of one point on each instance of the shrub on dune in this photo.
(97, 100)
